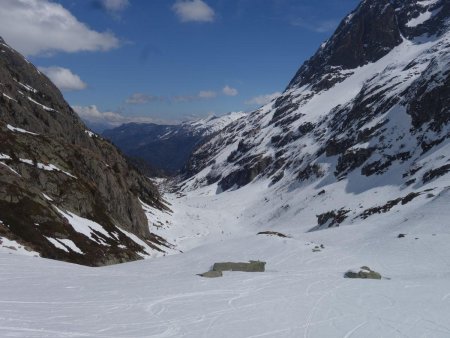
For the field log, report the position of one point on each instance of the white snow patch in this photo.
(72, 246)
(149, 252)
(20, 130)
(41, 105)
(57, 244)
(85, 226)
(9, 97)
(65, 244)
(47, 198)
(27, 87)
(47, 167)
(425, 16)
(90, 133)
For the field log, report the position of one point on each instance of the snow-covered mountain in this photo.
(65, 193)
(361, 141)
(362, 129)
(167, 148)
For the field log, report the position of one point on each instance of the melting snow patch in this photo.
(84, 226)
(420, 19)
(427, 2)
(4, 164)
(147, 249)
(57, 244)
(9, 97)
(4, 157)
(65, 244)
(20, 130)
(27, 87)
(41, 105)
(90, 133)
(47, 167)
(47, 198)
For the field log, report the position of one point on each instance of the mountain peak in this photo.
(365, 35)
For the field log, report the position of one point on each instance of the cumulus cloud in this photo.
(92, 115)
(140, 98)
(63, 78)
(207, 94)
(229, 91)
(193, 11)
(40, 27)
(115, 5)
(262, 99)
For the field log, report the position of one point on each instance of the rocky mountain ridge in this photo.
(65, 192)
(367, 114)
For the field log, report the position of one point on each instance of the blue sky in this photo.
(169, 60)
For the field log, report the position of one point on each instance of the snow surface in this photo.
(301, 294)
(8, 246)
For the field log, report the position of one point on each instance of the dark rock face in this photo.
(59, 165)
(366, 35)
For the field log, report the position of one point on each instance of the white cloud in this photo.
(228, 91)
(262, 99)
(63, 78)
(193, 11)
(115, 5)
(41, 26)
(91, 114)
(207, 94)
(140, 98)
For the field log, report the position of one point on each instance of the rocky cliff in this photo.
(65, 192)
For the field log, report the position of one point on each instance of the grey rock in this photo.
(252, 266)
(211, 274)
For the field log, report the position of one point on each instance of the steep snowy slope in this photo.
(167, 147)
(362, 128)
(65, 192)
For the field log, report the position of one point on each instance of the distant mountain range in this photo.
(166, 148)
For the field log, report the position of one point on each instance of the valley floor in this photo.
(301, 294)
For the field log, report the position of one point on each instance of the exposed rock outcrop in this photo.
(51, 166)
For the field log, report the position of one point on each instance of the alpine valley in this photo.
(349, 168)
